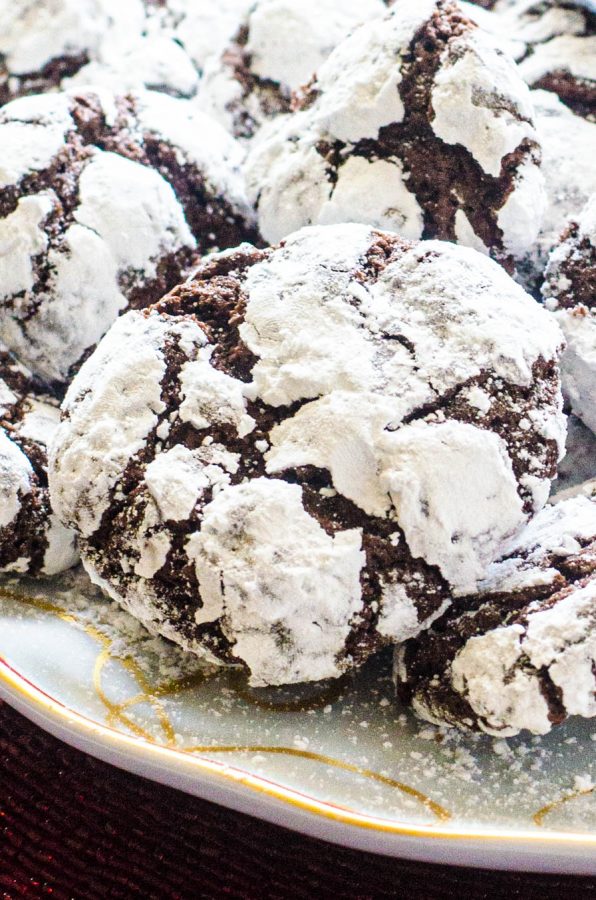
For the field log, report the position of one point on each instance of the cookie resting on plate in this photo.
(104, 203)
(253, 79)
(570, 290)
(298, 455)
(32, 540)
(519, 653)
(416, 122)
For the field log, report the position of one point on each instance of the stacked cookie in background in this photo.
(307, 281)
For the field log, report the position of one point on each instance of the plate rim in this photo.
(226, 784)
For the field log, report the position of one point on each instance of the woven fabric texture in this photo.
(74, 827)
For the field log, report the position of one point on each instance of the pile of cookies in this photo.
(313, 286)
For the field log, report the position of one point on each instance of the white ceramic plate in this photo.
(348, 766)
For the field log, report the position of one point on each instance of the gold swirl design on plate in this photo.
(539, 817)
(116, 712)
(440, 812)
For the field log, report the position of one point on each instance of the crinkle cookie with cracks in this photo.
(278, 47)
(49, 44)
(416, 122)
(104, 203)
(520, 653)
(554, 43)
(570, 290)
(296, 456)
(32, 540)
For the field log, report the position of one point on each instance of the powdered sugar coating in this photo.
(568, 148)
(15, 479)
(151, 60)
(67, 43)
(554, 44)
(35, 34)
(115, 430)
(520, 25)
(391, 95)
(570, 290)
(578, 366)
(246, 530)
(253, 79)
(32, 136)
(497, 26)
(520, 654)
(32, 540)
(489, 132)
(202, 27)
(102, 197)
(560, 639)
(573, 56)
(335, 402)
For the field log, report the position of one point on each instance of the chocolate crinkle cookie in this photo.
(118, 43)
(278, 47)
(416, 122)
(554, 43)
(104, 203)
(32, 540)
(568, 146)
(578, 466)
(204, 28)
(570, 290)
(519, 653)
(561, 51)
(297, 456)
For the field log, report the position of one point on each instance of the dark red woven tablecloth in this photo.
(75, 827)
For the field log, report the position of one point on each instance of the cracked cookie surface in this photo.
(569, 290)
(568, 144)
(32, 540)
(554, 44)
(104, 202)
(416, 122)
(252, 81)
(297, 455)
(521, 652)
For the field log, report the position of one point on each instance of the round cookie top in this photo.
(570, 290)
(381, 413)
(104, 201)
(521, 652)
(32, 540)
(56, 43)
(416, 122)
(254, 78)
